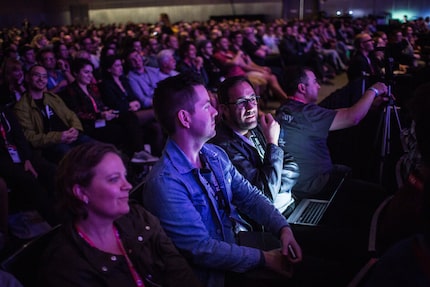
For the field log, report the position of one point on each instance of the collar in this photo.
(180, 161)
(294, 98)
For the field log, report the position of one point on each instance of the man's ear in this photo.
(301, 88)
(184, 118)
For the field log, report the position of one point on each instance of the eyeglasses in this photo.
(242, 103)
(39, 75)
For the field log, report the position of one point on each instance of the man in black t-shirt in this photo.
(45, 119)
(305, 127)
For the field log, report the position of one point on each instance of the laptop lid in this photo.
(310, 210)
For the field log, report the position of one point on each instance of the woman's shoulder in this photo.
(138, 214)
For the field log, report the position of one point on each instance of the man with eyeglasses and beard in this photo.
(251, 142)
(363, 62)
(197, 194)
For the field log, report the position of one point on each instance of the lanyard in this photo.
(136, 276)
(214, 188)
(372, 71)
(257, 144)
(93, 102)
(3, 133)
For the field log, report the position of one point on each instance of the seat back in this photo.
(136, 192)
(23, 264)
(360, 277)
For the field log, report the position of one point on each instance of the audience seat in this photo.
(360, 277)
(23, 264)
(135, 193)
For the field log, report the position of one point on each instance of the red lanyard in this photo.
(136, 276)
(96, 109)
(3, 132)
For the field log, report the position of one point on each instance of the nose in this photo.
(126, 185)
(214, 111)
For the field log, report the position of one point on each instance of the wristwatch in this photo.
(374, 90)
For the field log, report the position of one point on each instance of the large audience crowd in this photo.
(62, 87)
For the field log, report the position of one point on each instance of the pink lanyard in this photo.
(3, 133)
(136, 276)
(93, 102)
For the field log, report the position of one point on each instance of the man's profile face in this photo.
(241, 112)
(135, 61)
(30, 56)
(367, 43)
(202, 125)
(312, 87)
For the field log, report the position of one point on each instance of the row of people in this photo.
(196, 192)
(184, 120)
(102, 218)
(189, 128)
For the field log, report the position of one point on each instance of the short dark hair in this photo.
(184, 48)
(202, 44)
(225, 87)
(172, 95)
(24, 49)
(294, 75)
(106, 63)
(79, 63)
(35, 66)
(42, 52)
(77, 167)
(234, 34)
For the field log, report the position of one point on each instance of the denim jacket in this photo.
(176, 193)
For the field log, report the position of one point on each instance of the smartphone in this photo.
(291, 251)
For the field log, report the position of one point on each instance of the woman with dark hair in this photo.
(117, 94)
(105, 240)
(116, 91)
(190, 62)
(64, 59)
(100, 121)
(13, 86)
(213, 71)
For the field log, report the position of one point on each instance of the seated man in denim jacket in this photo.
(197, 193)
(253, 146)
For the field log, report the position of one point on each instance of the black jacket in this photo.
(276, 173)
(71, 261)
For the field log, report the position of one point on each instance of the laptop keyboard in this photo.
(313, 212)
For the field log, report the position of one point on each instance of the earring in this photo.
(86, 200)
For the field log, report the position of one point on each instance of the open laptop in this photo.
(310, 210)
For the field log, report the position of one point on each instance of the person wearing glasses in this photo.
(251, 142)
(105, 239)
(197, 194)
(305, 127)
(48, 124)
(363, 63)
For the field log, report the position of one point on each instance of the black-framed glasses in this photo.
(241, 103)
